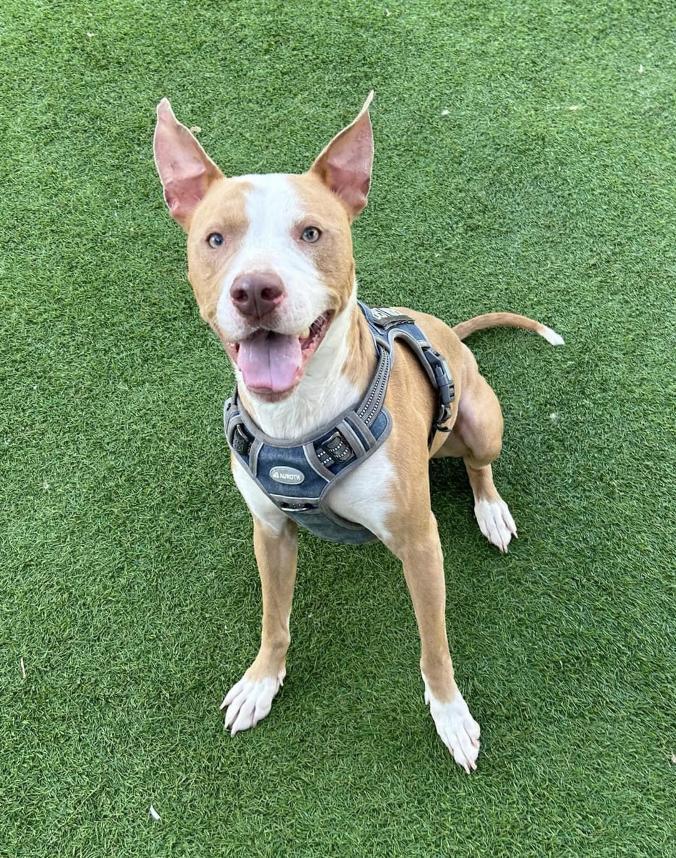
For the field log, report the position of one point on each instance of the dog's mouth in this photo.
(271, 363)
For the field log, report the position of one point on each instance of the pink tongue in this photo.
(269, 361)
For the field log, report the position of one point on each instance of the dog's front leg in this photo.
(422, 559)
(250, 699)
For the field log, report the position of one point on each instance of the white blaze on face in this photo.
(276, 217)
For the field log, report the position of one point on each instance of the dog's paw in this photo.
(495, 522)
(249, 701)
(456, 728)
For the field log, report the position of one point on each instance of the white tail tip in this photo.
(550, 335)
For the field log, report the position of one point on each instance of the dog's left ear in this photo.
(345, 165)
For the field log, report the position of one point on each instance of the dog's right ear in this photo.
(184, 168)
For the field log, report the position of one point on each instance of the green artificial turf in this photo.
(524, 161)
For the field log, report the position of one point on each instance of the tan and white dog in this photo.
(270, 261)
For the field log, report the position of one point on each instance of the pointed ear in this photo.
(185, 169)
(345, 165)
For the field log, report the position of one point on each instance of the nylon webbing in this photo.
(371, 405)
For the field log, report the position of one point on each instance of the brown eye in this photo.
(215, 239)
(311, 234)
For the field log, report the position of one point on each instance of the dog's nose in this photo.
(257, 294)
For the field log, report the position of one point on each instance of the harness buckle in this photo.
(445, 387)
(240, 441)
(335, 449)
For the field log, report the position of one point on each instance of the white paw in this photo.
(249, 701)
(495, 522)
(456, 727)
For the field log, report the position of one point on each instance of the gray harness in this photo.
(298, 475)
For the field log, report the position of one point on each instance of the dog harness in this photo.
(298, 475)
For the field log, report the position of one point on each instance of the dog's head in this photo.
(269, 256)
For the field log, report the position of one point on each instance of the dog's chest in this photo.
(365, 495)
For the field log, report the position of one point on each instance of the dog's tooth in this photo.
(305, 334)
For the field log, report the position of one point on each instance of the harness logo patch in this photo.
(287, 476)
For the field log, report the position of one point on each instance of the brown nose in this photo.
(257, 294)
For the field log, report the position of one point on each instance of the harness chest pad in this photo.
(297, 476)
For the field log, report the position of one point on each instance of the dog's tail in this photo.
(506, 320)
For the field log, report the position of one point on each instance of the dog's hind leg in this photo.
(492, 513)
(477, 437)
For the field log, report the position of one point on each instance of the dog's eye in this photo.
(215, 239)
(311, 234)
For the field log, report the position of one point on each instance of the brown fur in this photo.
(333, 254)
(496, 320)
(412, 525)
(222, 210)
(274, 552)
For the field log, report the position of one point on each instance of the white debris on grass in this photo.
(575, 107)
(22, 667)
(195, 129)
(445, 112)
(153, 814)
(641, 69)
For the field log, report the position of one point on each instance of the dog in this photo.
(271, 264)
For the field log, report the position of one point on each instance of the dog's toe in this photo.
(495, 522)
(249, 701)
(457, 729)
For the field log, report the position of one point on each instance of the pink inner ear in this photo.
(182, 197)
(350, 184)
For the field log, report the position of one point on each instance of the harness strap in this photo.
(398, 325)
(351, 439)
(372, 403)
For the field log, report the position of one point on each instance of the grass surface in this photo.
(523, 162)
